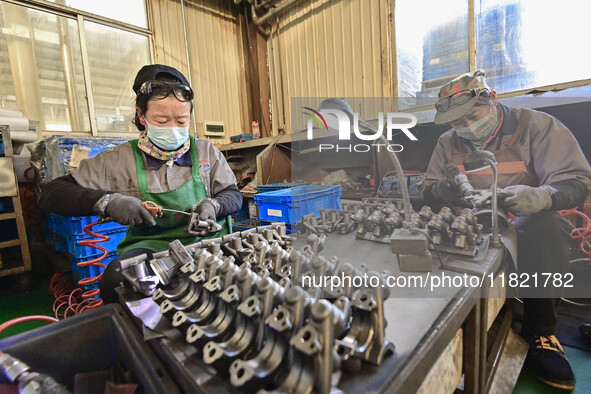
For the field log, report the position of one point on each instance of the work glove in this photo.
(206, 209)
(444, 190)
(128, 210)
(522, 200)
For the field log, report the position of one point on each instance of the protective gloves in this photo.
(523, 200)
(206, 209)
(444, 190)
(128, 210)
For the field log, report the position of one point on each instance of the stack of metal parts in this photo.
(243, 301)
(376, 220)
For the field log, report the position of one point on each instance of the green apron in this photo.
(170, 226)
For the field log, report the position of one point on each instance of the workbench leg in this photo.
(472, 351)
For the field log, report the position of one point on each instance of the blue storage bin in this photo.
(289, 205)
(69, 243)
(75, 224)
(271, 187)
(242, 213)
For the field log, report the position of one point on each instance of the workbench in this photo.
(440, 336)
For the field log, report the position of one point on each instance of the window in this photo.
(528, 43)
(115, 57)
(42, 68)
(128, 11)
(521, 44)
(432, 47)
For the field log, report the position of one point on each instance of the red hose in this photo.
(580, 233)
(70, 300)
(17, 320)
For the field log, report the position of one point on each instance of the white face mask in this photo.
(167, 137)
(482, 128)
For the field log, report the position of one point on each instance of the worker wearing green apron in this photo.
(170, 226)
(163, 165)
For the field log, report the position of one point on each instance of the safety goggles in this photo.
(161, 90)
(456, 99)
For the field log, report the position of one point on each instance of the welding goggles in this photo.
(162, 89)
(457, 99)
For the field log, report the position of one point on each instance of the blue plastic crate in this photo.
(75, 224)
(242, 213)
(289, 205)
(271, 187)
(69, 243)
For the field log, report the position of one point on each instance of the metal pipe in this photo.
(274, 11)
(281, 93)
(265, 3)
(495, 239)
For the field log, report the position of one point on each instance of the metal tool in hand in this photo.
(202, 228)
(479, 198)
(157, 210)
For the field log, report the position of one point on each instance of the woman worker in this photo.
(164, 165)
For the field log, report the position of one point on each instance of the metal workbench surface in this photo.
(420, 322)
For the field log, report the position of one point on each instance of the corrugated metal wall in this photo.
(327, 48)
(215, 56)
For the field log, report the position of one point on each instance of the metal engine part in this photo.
(202, 228)
(236, 300)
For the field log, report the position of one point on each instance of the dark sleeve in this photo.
(64, 196)
(230, 200)
(428, 196)
(569, 193)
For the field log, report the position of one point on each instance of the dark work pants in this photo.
(113, 276)
(543, 241)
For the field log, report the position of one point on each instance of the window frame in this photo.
(80, 17)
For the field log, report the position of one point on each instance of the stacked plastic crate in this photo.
(57, 156)
(64, 233)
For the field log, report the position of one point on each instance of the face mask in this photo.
(167, 137)
(482, 128)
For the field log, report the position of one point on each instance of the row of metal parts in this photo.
(241, 300)
(376, 221)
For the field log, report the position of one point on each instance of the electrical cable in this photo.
(583, 234)
(584, 305)
(23, 319)
(580, 233)
(416, 231)
(378, 192)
